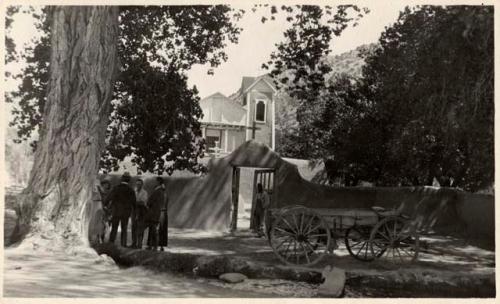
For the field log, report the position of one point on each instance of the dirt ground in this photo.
(41, 274)
(452, 261)
(457, 254)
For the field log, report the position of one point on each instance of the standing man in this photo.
(122, 200)
(261, 204)
(139, 214)
(155, 204)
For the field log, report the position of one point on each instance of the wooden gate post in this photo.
(254, 191)
(234, 198)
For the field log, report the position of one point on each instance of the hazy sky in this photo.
(256, 43)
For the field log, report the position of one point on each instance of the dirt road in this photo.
(38, 274)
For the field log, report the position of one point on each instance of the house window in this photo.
(213, 141)
(260, 111)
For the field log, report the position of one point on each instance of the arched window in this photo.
(260, 111)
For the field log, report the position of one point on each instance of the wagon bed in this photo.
(303, 236)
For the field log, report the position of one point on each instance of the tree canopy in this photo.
(431, 82)
(299, 64)
(423, 108)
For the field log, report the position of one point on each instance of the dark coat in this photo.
(155, 203)
(122, 200)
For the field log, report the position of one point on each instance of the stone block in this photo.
(232, 277)
(333, 286)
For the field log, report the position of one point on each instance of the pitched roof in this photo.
(248, 82)
(217, 108)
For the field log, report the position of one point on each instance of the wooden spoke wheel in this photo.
(273, 214)
(395, 239)
(300, 236)
(357, 242)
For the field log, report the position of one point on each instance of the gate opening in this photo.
(244, 189)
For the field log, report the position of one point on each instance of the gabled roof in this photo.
(217, 108)
(248, 82)
(214, 95)
(265, 78)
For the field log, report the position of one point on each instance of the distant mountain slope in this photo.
(351, 62)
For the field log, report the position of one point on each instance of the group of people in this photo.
(122, 203)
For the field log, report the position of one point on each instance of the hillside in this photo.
(351, 62)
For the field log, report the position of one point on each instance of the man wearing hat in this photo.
(139, 214)
(156, 203)
(121, 199)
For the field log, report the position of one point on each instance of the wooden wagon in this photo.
(303, 236)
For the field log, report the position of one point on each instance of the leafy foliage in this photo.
(31, 94)
(176, 37)
(431, 82)
(299, 63)
(155, 118)
(141, 126)
(155, 114)
(346, 68)
(423, 108)
(10, 46)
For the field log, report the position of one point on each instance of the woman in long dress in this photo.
(163, 232)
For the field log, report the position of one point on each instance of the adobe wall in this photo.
(201, 202)
(195, 202)
(478, 214)
(205, 202)
(442, 210)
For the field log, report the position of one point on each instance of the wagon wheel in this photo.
(395, 239)
(272, 214)
(300, 236)
(357, 242)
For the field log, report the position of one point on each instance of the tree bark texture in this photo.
(58, 199)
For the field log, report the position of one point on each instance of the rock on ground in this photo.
(232, 277)
(334, 283)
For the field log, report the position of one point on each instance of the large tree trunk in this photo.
(83, 65)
